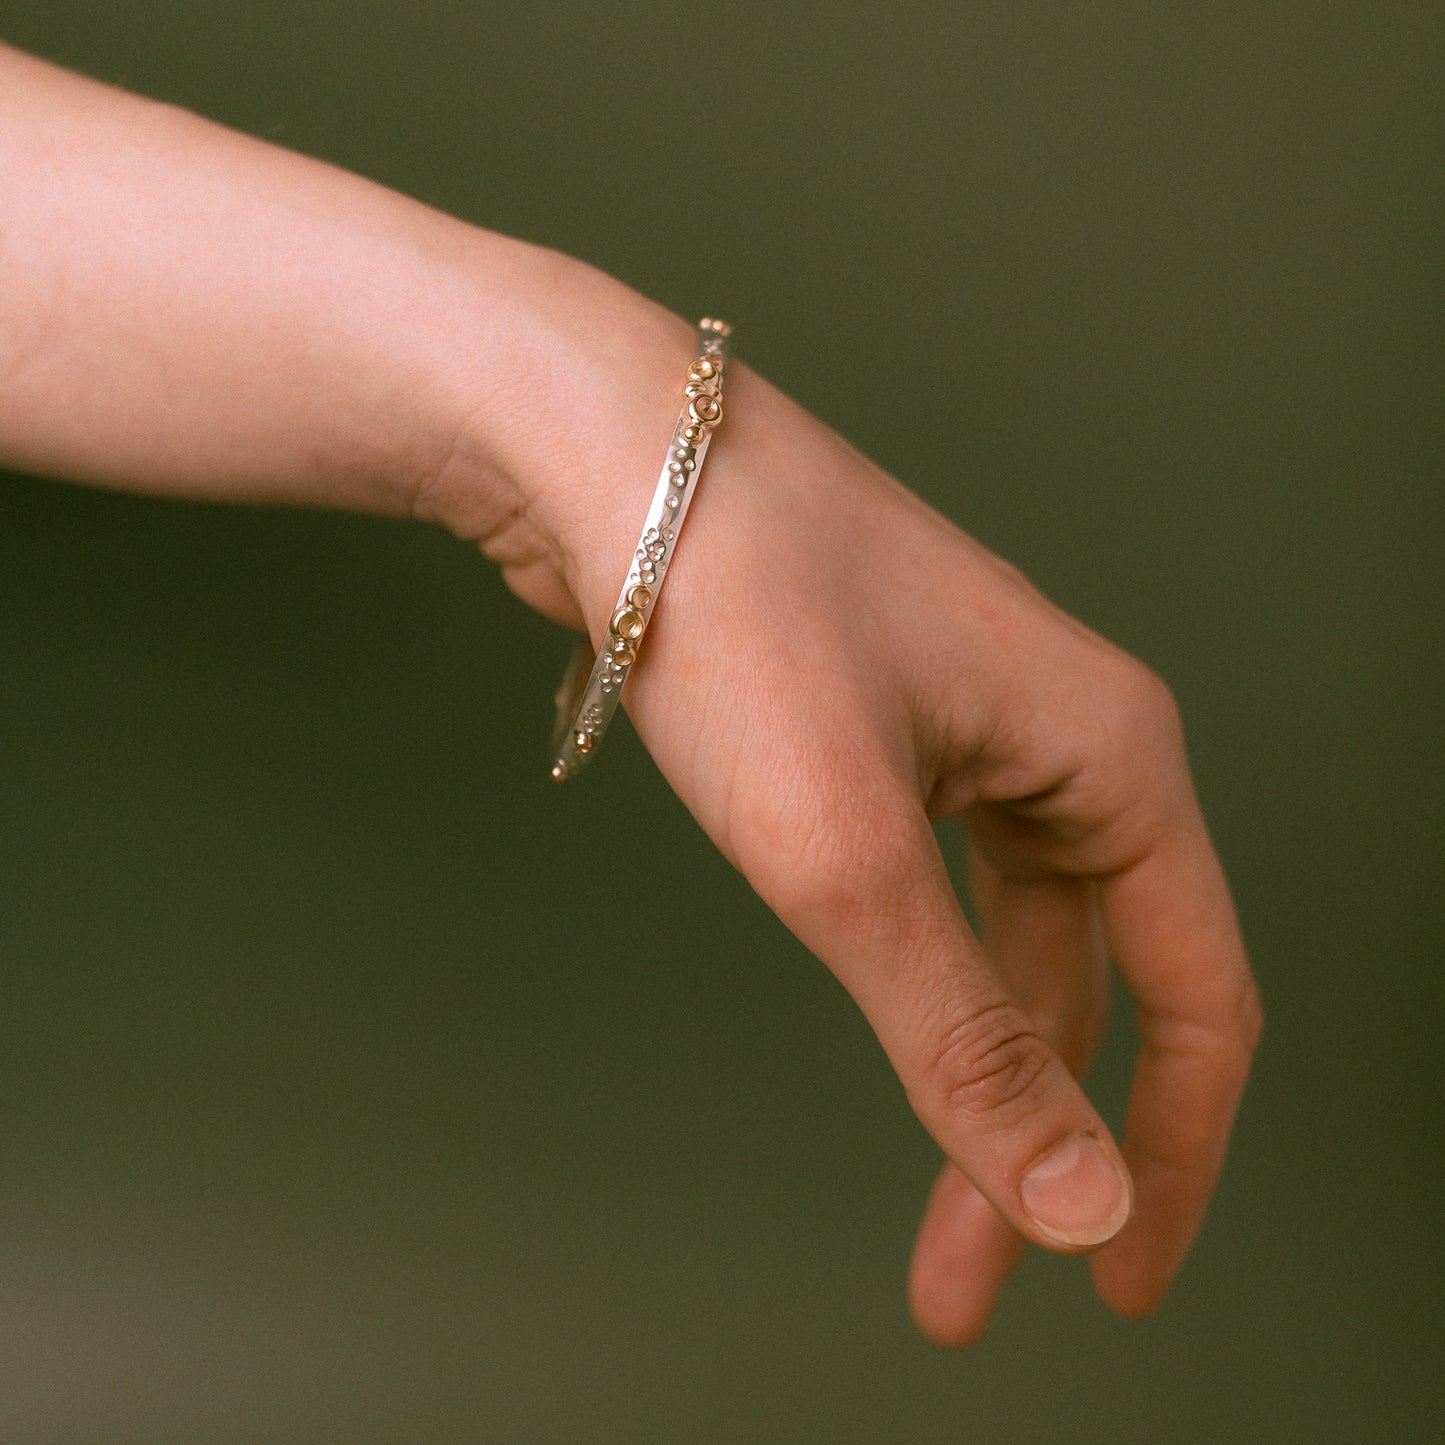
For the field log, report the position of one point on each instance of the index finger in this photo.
(1171, 927)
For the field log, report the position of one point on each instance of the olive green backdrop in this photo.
(345, 1094)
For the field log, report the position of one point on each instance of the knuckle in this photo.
(1149, 702)
(1250, 1017)
(1223, 1032)
(988, 1068)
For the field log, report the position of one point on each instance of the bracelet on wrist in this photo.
(587, 700)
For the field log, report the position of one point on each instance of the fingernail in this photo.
(1076, 1193)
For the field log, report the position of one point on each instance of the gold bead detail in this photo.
(628, 622)
(640, 597)
(583, 742)
(706, 408)
(703, 369)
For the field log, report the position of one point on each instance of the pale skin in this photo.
(833, 668)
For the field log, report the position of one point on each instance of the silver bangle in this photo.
(587, 701)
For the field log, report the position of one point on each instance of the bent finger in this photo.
(1171, 926)
(1045, 939)
(964, 1252)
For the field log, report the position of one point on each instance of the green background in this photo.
(351, 1091)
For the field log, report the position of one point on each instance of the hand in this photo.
(835, 668)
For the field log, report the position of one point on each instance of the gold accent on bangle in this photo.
(706, 408)
(627, 622)
(588, 701)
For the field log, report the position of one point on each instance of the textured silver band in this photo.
(587, 701)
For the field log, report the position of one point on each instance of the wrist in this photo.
(554, 415)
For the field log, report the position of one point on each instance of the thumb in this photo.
(882, 914)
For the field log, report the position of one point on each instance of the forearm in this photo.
(191, 311)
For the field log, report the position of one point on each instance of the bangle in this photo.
(587, 700)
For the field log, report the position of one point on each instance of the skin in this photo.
(835, 667)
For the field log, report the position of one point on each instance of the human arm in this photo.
(833, 667)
